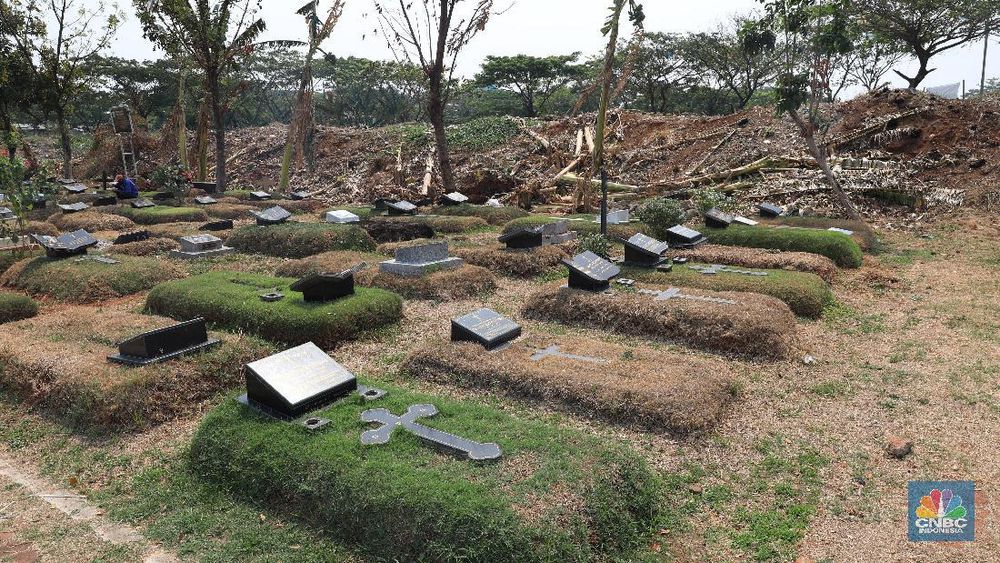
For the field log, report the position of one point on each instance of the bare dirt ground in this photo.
(797, 467)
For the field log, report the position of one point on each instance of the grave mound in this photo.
(9, 258)
(148, 247)
(92, 221)
(457, 225)
(337, 261)
(456, 284)
(836, 246)
(583, 226)
(41, 228)
(229, 211)
(163, 214)
(641, 386)
(85, 280)
(385, 229)
(740, 324)
(65, 370)
(15, 307)
(298, 240)
(177, 231)
(492, 215)
(233, 300)
(514, 263)
(806, 294)
(556, 494)
(759, 258)
(863, 233)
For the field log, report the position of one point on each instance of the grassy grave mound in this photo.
(443, 285)
(760, 258)
(93, 221)
(40, 228)
(9, 258)
(65, 369)
(148, 247)
(88, 281)
(492, 215)
(806, 294)
(232, 300)
(390, 248)
(582, 227)
(757, 326)
(336, 261)
(514, 263)
(163, 214)
(392, 229)
(177, 231)
(301, 205)
(457, 225)
(863, 233)
(557, 494)
(228, 211)
(836, 246)
(298, 240)
(15, 307)
(653, 389)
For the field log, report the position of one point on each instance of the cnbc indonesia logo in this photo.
(942, 511)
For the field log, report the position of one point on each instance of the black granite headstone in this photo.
(105, 200)
(39, 202)
(272, 216)
(64, 246)
(132, 237)
(401, 208)
(73, 207)
(296, 381)
(142, 203)
(223, 225)
(644, 251)
(680, 236)
(718, 219)
(299, 195)
(590, 272)
(164, 344)
(162, 196)
(382, 204)
(486, 327)
(323, 287)
(207, 187)
(770, 210)
(260, 195)
(454, 198)
(528, 237)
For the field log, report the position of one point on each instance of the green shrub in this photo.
(163, 214)
(492, 215)
(596, 243)
(89, 281)
(14, 307)
(298, 240)
(836, 246)
(660, 214)
(231, 300)
(558, 494)
(582, 227)
(805, 293)
(706, 199)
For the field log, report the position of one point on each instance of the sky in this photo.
(541, 27)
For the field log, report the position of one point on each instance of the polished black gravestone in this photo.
(272, 216)
(207, 187)
(382, 204)
(260, 196)
(770, 210)
(296, 381)
(205, 200)
(524, 238)
(644, 251)
(486, 327)
(73, 207)
(454, 198)
(105, 200)
(75, 188)
(223, 225)
(164, 344)
(299, 195)
(718, 219)
(39, 202)
(401, 208)
(69, 244)
(127, 238)
(163, 196)
(142, 203)
(323, 287)
(590, 272)
(388, 422)
(680, 236)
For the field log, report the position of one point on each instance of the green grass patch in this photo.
(863, 233)
(8, 259)
(840, 248)
(492, 215)
(582, 227)
(847, 320)
(14, 307)
(806, 294)
(88, 281)
(457, 225)
(163, 214)
(556, 495)
(298, 240)
(231, 300)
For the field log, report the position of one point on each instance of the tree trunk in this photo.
(64, 141)
(924, 59)
(220, 136)
(819, 153)
(201, 141)
(435, 108)
(296, 129)
(180, 117)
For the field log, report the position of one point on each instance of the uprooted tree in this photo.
(431, 34)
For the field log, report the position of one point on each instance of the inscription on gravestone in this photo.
(164, 344)
(272, 216)
(590, 272)
(644, 251)
(454, 198)
(401, 208)
(770, 210)
(388, 422)
(73, 207)
(486, 327)
(142, 203)
(260, 195)
(415, 261)
(200, 246)
(75, 188)
(557, 233)
(341, 216)
(680, 236)
(69, 244)
(205, 200)
(296, 381)
(323, 287)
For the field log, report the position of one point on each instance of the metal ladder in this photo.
(121, 122)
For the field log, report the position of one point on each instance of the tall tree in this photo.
(873, 59)
(926, 28)
(533, 79)
(432, 34)
(362, 92)
(661, 72)
(61, 38)
(217, 35)
(16, 91)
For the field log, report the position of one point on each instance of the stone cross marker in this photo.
(716, 268)
(674, 293)
(590, 272)
(474, 451)
(553, 350)
(741, 220)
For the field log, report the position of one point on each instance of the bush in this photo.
(163, 214)
(298, 240)
(171, 178)
(231, 300)
(659, 215)
(706, 199)
(483, 133)
(492, 215)
(88, 281)
(596, 243)
(14, 307)
(558, 494)
(836, 246)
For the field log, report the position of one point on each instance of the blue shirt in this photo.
(127, 187)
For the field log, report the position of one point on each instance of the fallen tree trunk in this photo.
(573, 180)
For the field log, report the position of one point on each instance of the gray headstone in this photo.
(205, 200)
(341, 216)
(200, 246)
(272, 215)
(420, 260)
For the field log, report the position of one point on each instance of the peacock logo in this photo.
(941, 504)
(942, 510)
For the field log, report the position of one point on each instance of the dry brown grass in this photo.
(176, 231)
(640, 386)
(228, 210)
(444, 285)
(760, 258)
(147, 247)
(65, 370)
(85, 281)
(514, 263)
(390, 248)
(336, 261)
(41, 228)
(757, 326)
(92, 221)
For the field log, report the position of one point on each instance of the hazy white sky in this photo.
(539, 27)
